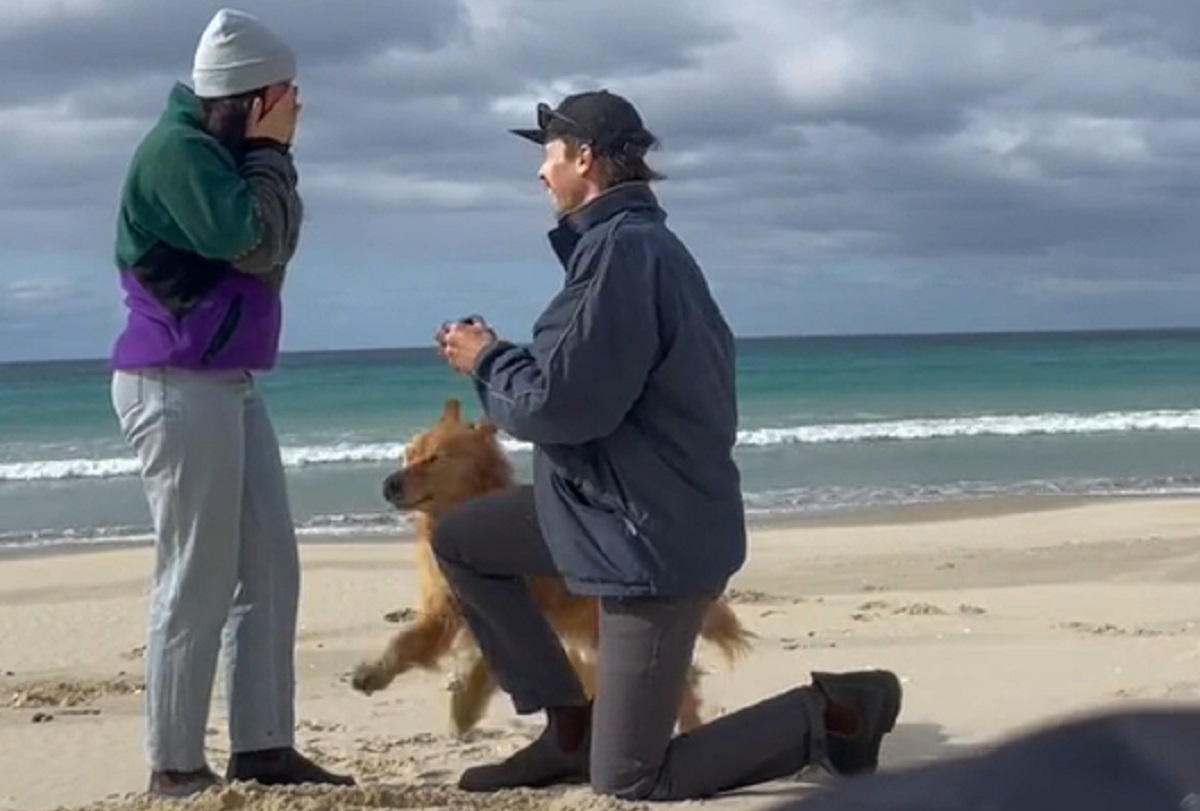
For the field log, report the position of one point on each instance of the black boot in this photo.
(281, 767)
(182, 784)
(871, 700)
(559, 755)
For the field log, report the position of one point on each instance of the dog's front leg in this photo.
(422, 644)
(471, 694)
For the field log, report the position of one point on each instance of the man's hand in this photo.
(462, 342)
(278, 122)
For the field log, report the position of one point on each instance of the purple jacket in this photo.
(236, 326)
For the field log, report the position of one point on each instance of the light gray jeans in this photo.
(227, 573)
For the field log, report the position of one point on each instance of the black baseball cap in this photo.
(606, 121)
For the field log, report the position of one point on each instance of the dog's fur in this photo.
(444, 466)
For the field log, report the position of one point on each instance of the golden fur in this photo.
(444, 466)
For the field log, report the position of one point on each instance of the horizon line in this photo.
(816, 336)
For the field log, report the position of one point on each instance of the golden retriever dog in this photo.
(443, 467)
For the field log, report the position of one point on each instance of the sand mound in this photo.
(248, 797)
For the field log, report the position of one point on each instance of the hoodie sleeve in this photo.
(592, 351)
(271, 174)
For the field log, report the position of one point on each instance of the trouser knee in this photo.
(636, 787)
(193, 600)
(448, 539)
(457, 534)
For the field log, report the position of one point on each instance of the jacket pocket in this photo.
(591, 498)
(609, 547)
(224, 331)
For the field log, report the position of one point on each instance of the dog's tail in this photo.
(721, 627)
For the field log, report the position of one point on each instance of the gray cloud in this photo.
(986, 139)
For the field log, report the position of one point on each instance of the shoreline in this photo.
(933, 512)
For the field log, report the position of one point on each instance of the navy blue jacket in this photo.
(627, 392)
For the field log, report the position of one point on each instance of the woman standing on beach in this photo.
(209, 219)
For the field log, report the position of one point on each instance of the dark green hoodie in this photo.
(203, 240)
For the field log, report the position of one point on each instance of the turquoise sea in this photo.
(827, 424)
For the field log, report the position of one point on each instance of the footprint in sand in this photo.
(874, 609)
(71, 692)
(789, 644)
(753, 597)
(1106, 629)
(870, 610)
(135, 653)
(1178, 691)
(400, 615)
(921, 610)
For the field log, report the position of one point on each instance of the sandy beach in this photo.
(997, 615)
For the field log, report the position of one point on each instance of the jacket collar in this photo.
(183, 106)
(633, 196)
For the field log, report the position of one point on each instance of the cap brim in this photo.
(537, 136)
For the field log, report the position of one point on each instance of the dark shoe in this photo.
(280, 767)
(874, 697)
(540, 764)
(177, 785)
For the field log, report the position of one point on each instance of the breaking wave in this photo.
(895, 430)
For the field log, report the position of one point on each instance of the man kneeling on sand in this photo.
(628, 395)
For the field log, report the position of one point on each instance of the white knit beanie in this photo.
(236, 54)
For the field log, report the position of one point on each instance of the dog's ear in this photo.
(452, 411)
(486, 427)
(409, 450)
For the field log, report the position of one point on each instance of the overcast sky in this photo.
(850, 166)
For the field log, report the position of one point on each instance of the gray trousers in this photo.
(488, 546)
(226, 573)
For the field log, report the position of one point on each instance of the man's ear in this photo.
(585, 159)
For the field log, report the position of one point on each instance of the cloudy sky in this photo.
(849, 166)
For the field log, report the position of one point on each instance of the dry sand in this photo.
(997, 616)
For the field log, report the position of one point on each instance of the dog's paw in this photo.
(465, 714)
(369, 677)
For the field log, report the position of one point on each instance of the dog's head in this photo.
(448, 464)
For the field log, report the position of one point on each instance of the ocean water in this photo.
(827, 424)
